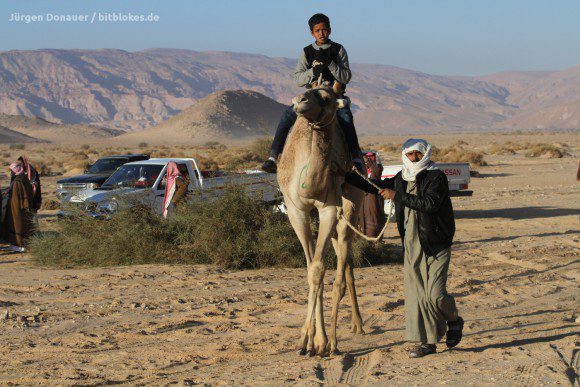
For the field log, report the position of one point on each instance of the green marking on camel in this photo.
(303, 172)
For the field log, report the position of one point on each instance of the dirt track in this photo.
(515, 272)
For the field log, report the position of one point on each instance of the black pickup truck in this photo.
(95, 175)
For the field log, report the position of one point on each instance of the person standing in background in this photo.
(19, 217)
(372, 215)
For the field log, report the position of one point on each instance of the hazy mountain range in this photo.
(135, 90)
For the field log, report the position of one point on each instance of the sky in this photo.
(447, 37)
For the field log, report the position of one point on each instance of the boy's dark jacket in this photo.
(432, 203)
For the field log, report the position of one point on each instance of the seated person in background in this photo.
(329, 59)
(176, 184)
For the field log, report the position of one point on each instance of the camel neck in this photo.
(315, 175)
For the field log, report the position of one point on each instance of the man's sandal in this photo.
(421, 350)
(454, 332)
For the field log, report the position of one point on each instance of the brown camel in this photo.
(311, 175)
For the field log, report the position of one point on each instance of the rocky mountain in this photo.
(222, 115)
(136, 90)
(44, 130)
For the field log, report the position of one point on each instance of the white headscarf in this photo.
(411, 169)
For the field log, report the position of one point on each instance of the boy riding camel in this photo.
(329, 59)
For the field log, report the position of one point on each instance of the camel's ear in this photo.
(342, 103)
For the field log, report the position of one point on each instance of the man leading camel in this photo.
(327, 59)
(426, 224)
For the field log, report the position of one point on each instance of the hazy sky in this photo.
(459, 37)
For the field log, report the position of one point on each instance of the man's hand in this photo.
(387, 193)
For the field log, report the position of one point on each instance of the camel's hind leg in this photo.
(338, 288)
(344, 277)
(351, 206)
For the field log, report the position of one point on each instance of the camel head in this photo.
(318, 105)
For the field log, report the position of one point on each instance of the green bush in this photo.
(234, 231)
(261, 147)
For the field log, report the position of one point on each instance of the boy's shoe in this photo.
(454, 332)
(270, 165)
(18, 249)
(421, 350)
(358, 164)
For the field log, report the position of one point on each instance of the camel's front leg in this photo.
(314, 340)
(300, 221)
(307, 343)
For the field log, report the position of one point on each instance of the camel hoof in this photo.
(358, 330)
(302, 351)
(335, 352)
(311, 353)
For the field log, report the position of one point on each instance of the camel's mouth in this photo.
(306, 103)
(302, 105)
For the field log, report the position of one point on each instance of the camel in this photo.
(311, 176)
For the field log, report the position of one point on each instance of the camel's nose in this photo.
(302, 99)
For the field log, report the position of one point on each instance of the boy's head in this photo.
(320, 28)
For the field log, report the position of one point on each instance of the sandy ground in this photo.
(515, 273)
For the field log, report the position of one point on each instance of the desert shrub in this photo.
(556, 150)
(367, 253)
(84, 241)
(215, 145)
(507, 148)
(551, 151)
(6, 155)
(160, 153)
(390, 148)
(239, 160)
(85, 147)
(50, 204)
(498, 149)
(248, 157)
(261, 147)
(143, 145)
(206, 163)
(234, 231)
(17, 146)
(43, 168)
(457, 154)
(77, 160)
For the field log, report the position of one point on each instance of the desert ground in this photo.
(515, 272)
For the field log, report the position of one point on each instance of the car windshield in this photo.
(134, 176)
(107, 165)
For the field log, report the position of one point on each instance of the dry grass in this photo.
(545, 150)
(389, 148)
(551, 151)
(458, 153)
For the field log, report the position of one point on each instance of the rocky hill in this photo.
(223, 115)
(8, 136)
(59, 133)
